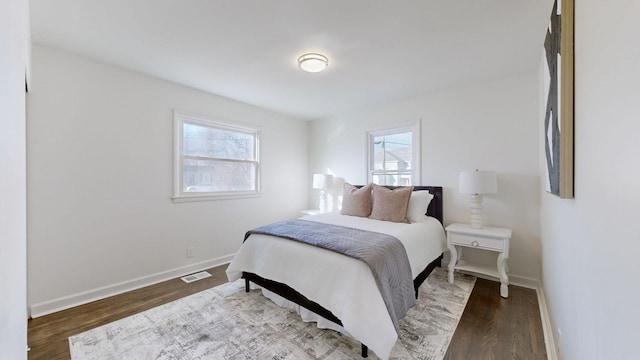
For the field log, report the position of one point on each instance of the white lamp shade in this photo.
(322, 181)
(478, 182)
(337, 183)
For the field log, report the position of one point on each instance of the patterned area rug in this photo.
(226, 323)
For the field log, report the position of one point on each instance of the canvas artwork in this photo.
(559, 85)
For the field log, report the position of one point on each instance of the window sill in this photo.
(213, 197)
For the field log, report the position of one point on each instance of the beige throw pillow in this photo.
(356, 202)
(390, 205)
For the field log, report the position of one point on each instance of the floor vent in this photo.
(195, 277)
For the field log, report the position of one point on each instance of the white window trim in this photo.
(415, 128)
(179, 118)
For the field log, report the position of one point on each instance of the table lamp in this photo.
(477, 183)
(322, 182)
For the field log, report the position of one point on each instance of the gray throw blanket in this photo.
(385, 255)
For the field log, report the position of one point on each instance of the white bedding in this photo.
(343, 285)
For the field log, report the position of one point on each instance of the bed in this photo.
(334, 290)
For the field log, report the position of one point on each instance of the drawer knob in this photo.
(475, 243)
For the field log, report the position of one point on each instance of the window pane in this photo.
(392, 178)
(392, 152)
(213, 175)
(210, 142)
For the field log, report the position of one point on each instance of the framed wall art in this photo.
(559, 87)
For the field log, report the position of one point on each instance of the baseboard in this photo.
(523, 281)
(547, 328)
(67, 302)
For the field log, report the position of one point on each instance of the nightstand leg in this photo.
(453, 258)
(504, 278)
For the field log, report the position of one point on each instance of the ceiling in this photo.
(379, 51)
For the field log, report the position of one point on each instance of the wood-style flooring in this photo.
(490, 328)
(495, 328)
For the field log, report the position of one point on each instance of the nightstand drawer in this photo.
(476, 241)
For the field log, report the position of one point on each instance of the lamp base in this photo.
(476, 211)
(322, 202)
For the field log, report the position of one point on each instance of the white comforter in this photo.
(343, 285)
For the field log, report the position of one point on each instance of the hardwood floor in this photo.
(48, 335)
(495, 328)
(490, 328)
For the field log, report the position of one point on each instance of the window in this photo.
(394, 155)
(214, 159)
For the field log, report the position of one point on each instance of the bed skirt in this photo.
(294, 296)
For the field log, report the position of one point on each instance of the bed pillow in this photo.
(418, 204)
(390, 205)
(356, 202)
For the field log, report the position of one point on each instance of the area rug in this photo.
(226, 323)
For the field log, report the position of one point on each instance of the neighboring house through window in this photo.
(214, 159)
(394, 155)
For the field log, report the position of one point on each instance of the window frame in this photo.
(414, 129)
(182, 117)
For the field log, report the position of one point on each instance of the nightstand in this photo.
(488, 238)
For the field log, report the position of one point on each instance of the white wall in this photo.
(591, 243)
(14, 42)
(490, 126)
(100, 180)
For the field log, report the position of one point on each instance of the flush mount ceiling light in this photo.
(313, 62)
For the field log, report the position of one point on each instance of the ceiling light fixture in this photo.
(313, 62)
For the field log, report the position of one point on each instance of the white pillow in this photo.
(418, 204)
